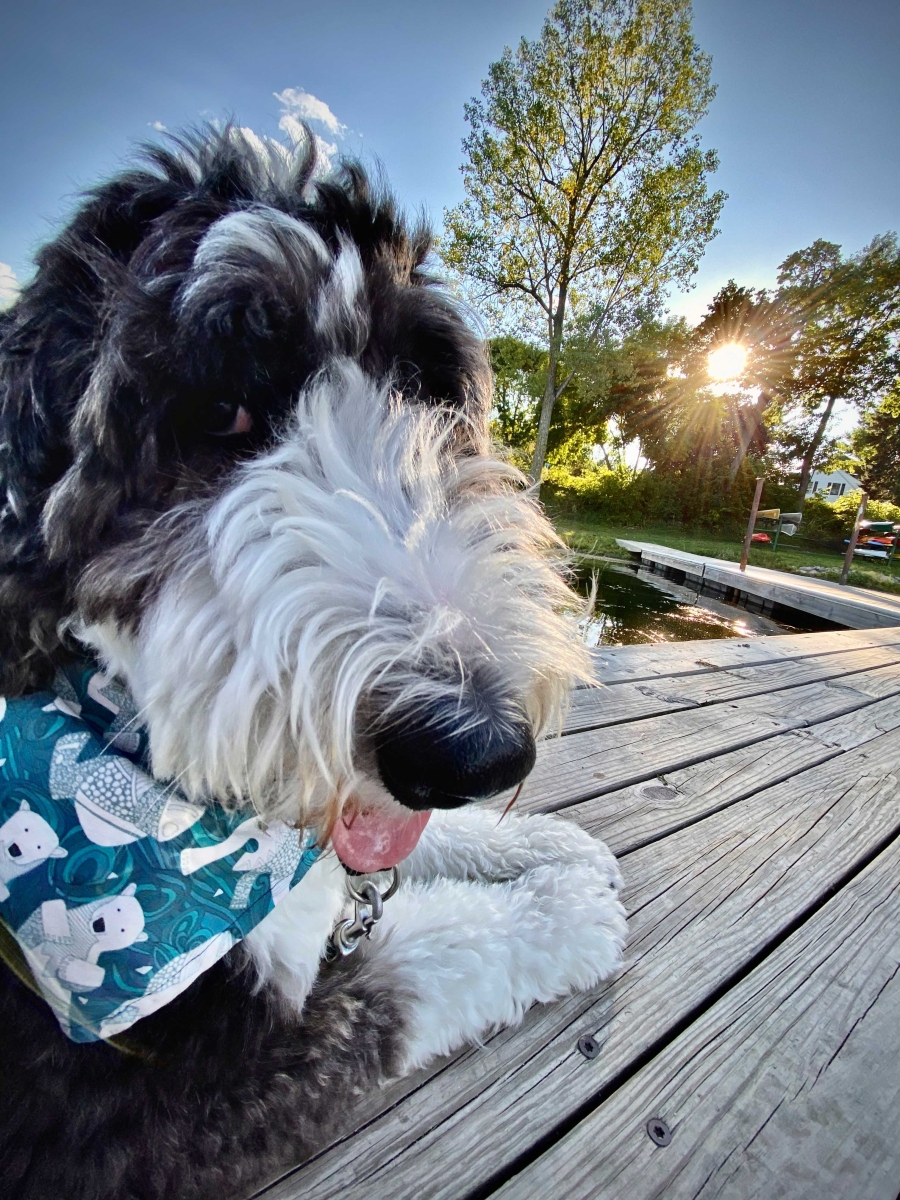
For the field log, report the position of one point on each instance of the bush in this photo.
(695, 498)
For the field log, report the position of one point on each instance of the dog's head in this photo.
(245, 455)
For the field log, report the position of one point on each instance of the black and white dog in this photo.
(245, 461)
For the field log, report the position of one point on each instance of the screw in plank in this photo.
(589, 1046)
(660, 1133)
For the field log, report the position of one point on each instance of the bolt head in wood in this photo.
(589, 1046)
(659, 1132)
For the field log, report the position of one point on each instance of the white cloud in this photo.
(9, 285)
(295, 131)
(158, 126)
(304, 106)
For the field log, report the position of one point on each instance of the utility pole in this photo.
(745, 553)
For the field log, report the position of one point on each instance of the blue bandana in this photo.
(119, 890)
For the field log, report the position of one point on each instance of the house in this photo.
(830, 487)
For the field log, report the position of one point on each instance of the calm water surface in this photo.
(631, 609)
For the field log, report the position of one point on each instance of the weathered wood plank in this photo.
(615, 664)
(704, 902)
(596, 708)
(581, 766)
(787, 1088)
(634, 816)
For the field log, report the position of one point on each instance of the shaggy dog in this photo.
(246, 464)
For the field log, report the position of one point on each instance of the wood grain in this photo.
(787, 1088)
(597, 708)
(618, 664)
(582, 766)
(704, 902)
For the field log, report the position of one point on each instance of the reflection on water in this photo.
(630, 609)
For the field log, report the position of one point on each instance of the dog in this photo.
(246, 467)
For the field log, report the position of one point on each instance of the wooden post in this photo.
(751, 523)
(848, 557)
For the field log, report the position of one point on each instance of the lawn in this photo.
(595, 537)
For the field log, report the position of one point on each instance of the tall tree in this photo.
(586, 187)
(847, 313)
(876, 444)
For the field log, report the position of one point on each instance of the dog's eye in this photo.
(225, 418)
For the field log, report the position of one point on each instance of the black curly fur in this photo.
(110, 392)
(106, 386)
(220, 1091)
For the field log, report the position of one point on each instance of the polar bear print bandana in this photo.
(119, 890)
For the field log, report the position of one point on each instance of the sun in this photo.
(727, 362)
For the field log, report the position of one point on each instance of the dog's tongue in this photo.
(376, 841)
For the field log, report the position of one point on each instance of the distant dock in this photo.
(759, 589)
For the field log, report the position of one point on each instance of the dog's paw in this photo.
(472, 957)
(475, 843)
(569, 931)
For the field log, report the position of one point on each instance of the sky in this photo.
(806, 120)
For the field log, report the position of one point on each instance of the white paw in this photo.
(474, 956)
(571, 929)
(475, 843)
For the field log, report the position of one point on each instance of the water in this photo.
(634, 606)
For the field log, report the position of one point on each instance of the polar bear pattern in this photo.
(115, 800)
(111, 694)
(279, 851)
(26, 842)
(65, 943)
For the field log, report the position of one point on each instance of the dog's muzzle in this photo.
(435, 758)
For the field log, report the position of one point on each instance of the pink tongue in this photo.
(374, 841)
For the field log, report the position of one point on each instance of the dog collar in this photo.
(119, 890)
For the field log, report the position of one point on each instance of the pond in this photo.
(634, 606)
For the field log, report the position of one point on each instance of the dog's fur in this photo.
(245, 457)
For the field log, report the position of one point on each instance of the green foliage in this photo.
(847, 317)
(585, 188)
(693, 498)
(876, 445)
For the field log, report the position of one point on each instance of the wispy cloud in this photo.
(9, 285)
(299, 105)
(158, 126)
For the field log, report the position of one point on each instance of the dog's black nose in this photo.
(15, 850)
(424, 763)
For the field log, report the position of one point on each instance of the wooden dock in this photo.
(767, 591)
(751, 790)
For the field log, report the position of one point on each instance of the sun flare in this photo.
(727, 362)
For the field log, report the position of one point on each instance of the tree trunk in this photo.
(810, 454)
(751, 425)
(550, 392)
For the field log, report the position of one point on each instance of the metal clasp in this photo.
(368, 908)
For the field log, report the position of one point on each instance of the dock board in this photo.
(751, 790)
(853, 607)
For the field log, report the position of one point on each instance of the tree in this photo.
(585, 186)
(876, 444)
(847, 313)
(517, 367)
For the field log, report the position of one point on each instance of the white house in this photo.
(830, 487)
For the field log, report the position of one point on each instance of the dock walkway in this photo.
(852, 607)
(751, 790)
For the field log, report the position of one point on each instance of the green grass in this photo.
(595, 537)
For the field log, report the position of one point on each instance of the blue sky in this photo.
(806, 122)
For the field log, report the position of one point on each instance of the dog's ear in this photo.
(49, 352)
